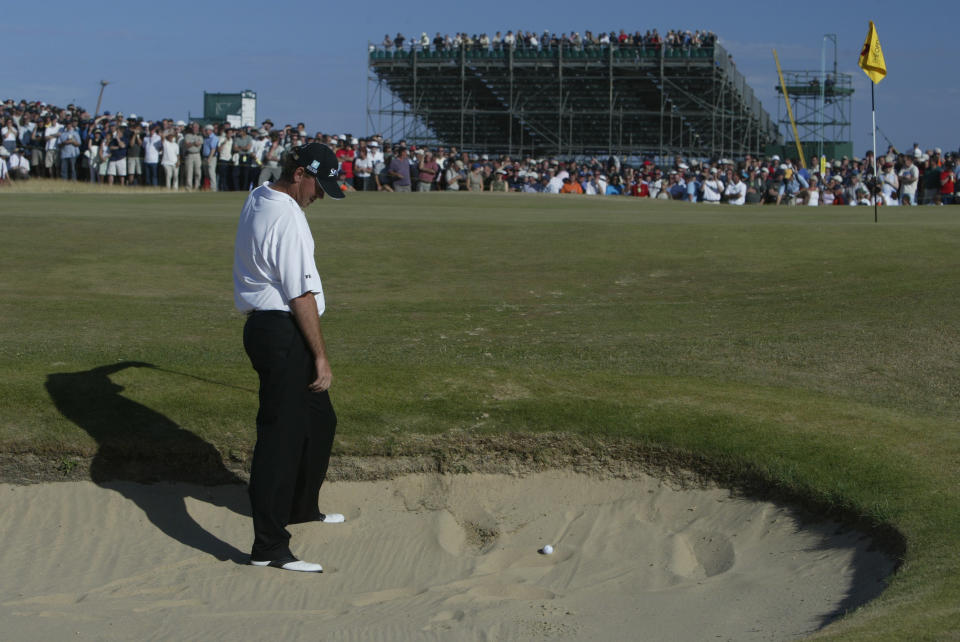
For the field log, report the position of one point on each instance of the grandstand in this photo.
(569, 101)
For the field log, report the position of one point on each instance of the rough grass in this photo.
(806, 351)
(46, 186)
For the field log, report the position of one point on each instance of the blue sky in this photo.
(309, 63)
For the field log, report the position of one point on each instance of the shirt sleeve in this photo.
(296, 268)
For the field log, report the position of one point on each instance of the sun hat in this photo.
(320, 161)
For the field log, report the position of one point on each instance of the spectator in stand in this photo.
(755, 186)
(10, 134)
(260, 143)
(295, 140)
(4, 170)
(69, 142)
(850, 194)
(117, 162)
(909, 176)
(771, 185)
(948, 179)
(363, 170)
(475, 179)
(839, 195)
(18, 165)
(376, 155)
(889, 184)
(209, 155)
(655, 184)
(793, 183)
(571, 186)
(135, 154)
(929, 177)
(811, 196)
(534, 183)
(736, 190)
(399, 171)
(712, 187)
(346, 154)
(499, 183)
(593, 186)
(614, 186)
(272, 158)
(225, 160)
(243, 158)
(514, 180)
(379, 171)
(453, 175)
(171, 160)
(51, 136)
(192, 158)
(31, 136)
(692, 191)
(863, 196)
(27, 131)
(827, 194)
(152, 147)
(94, 154)
(429, 169)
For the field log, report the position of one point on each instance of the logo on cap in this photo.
(314, 166)
(333, 172)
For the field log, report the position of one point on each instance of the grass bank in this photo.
(807, 350)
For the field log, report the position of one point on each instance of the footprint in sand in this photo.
(697, 556)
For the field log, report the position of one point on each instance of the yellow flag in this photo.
(871, 57)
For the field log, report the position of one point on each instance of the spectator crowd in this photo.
(528, 40)
(40, 140)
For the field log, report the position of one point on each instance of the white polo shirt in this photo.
(54, 131)
(273, 254)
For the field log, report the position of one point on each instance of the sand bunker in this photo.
(426, 557)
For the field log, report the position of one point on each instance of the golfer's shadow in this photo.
(137, 444)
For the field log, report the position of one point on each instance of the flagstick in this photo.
(873, 109)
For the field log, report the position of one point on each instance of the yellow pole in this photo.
(793, 123)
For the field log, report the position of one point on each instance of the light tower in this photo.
(103, 84)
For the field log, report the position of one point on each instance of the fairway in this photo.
(803, 353)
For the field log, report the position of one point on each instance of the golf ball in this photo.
(547, 549)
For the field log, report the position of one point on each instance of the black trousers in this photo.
(295, 429)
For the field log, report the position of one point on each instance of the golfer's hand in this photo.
(324, 376)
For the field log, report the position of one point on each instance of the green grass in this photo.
(806, 350)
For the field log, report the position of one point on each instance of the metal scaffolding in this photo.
(629, 101)
(822, 107)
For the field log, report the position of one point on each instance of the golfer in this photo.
(276, 283)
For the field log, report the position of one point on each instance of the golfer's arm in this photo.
(304, 309)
